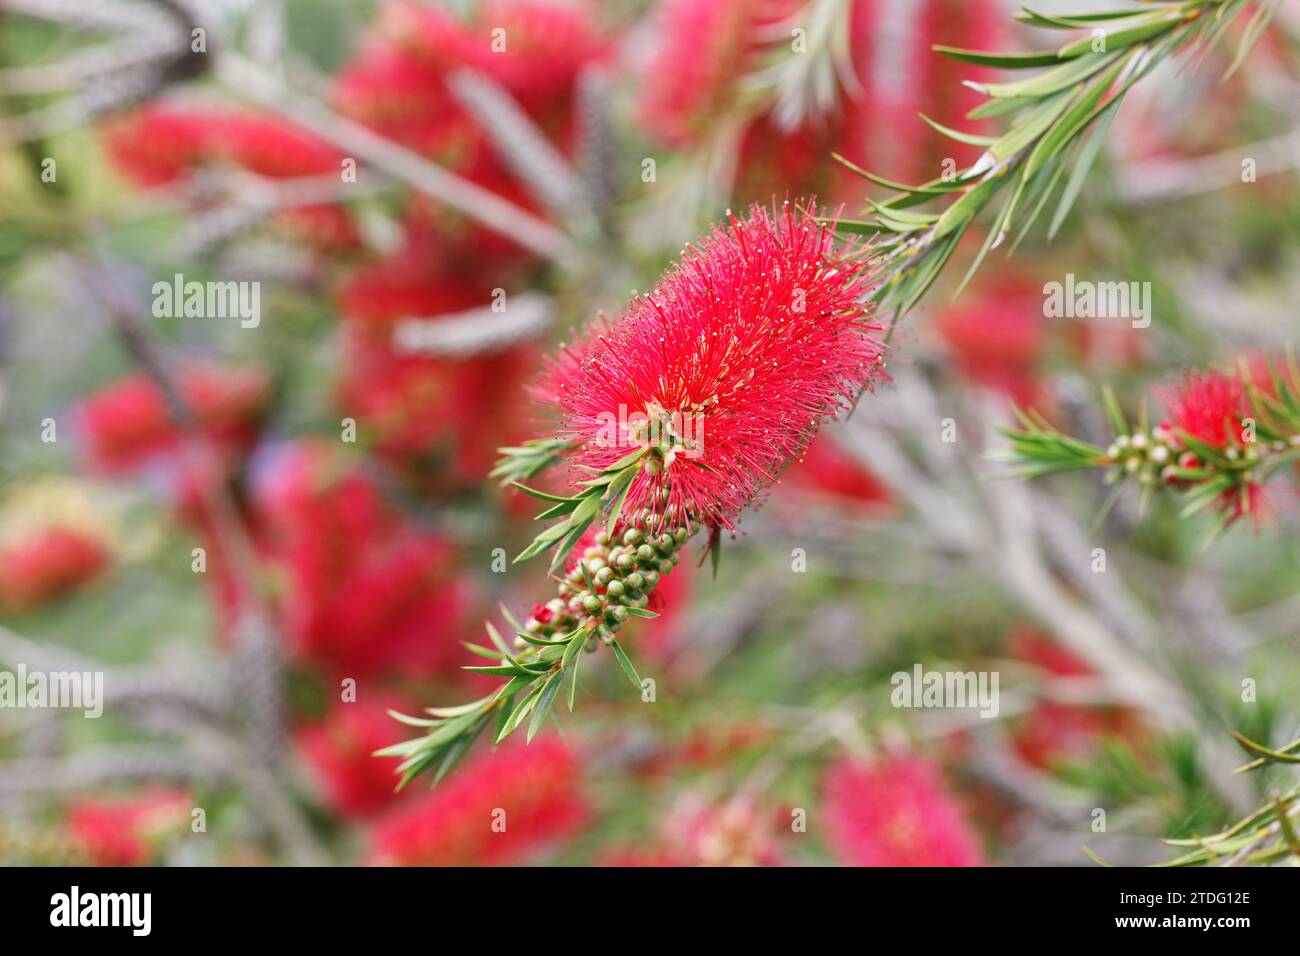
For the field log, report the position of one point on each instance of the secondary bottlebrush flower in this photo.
(998, 336)
(340, 749)
(726, 369)
(128, 830)
(158, 145)
(895, 812)
(738, 832)
(703, 48)
(363, 590)
(47, 564)
(826, 469)
(1053, 733)
(501, 808)
(1209, 406)
(129, 422)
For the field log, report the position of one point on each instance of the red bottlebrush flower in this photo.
(433, 37)
(735, 833)
(998, 335)
(882, 129)
(1209, 406)
(562, 369)
(126, 831)
(273, 148)
(340, 752)
(895, 812)
(499, 809)
(128, 422)
(828, 469)
(366, 593)
(546, 44)
(1055, 732)
(403, 97)
(158, 145)
(744, 348)
(47, 565)
(704, 48)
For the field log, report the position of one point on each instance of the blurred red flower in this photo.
(500, 808)
(832, 471)
(126, 831)
(895, 812)
(998, 336)
(157, 145)
(366, 591)
(48, 564)
(129, 422)
(340, 749)
(1053, 733)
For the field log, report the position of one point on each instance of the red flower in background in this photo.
(398, 85)
(443, 416)
(401, 96)
(759, 333)
(126, 831)
(704, 48)
(366, 592)
(340, 750)
(895, 812)
(47, 565)
(532, 794)
(128, 422)
(158, 145)
(698, 832)
(832, 471)
(884, 131)
(1054, 733)
(998, 335)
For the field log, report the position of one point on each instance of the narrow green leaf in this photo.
(626, 664)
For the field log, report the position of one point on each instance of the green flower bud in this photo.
(633, 536)
(635, 580)
(591, 603)
(645, 553)
(604, 576)
(615, 588)
(651, 580)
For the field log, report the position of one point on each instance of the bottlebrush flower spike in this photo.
(47, 564)
(680, 413)
(1209, 406)
(895, 813)
(726, 369)
(1227, 434)
(538, 788)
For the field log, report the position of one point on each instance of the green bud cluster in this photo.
(1160, 456)
(622, 570)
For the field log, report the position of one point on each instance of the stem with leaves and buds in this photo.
(1226, 474)
(609, 583)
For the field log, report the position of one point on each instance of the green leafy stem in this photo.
(1046, 144)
